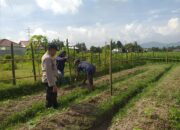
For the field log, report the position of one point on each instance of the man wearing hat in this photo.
(88, 69)
(49, 75)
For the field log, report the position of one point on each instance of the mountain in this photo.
(153, 44)
(174, 44)
(159, 44)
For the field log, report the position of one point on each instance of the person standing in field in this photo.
(88, 69)
(60, 62)
(49, 76)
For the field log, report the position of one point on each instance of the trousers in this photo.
(51, 97)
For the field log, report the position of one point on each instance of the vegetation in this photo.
(143, 82)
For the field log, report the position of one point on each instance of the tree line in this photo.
(40, 41)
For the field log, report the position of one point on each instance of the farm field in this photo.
(89, 65)
(81, 109)
(156, 109)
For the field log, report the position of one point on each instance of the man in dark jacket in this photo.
(60, 61)
(88, 69)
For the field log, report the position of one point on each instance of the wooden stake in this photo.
(110, 66)
(33, 62)
(67, 45)
(13, 65)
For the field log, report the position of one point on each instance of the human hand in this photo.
(55, 89)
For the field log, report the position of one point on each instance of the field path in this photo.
(151, 112)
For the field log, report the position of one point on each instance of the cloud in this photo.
(172, 27)
(3, 3)
(60, 6)
(176, 11)
(98, 34)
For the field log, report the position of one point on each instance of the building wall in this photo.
(7, 50)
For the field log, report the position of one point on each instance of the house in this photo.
(117, 50)
(5, 47)
(23, 43)
(176, 50)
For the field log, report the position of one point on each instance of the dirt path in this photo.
(12, 106)
(83, 115)
(152, 110)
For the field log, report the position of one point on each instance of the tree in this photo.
(119, 44)
(133, 47)
(81, 46)
(95, 49)
(59, 43)
(38, 42)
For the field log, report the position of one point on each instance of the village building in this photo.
(5, 47)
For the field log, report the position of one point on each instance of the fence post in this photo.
(99, 58)
(33, 62)
(167, 55)
(127, 58)
(91, 57)
(67, 45)
(74, 53)
(110, 66)
(13, 65)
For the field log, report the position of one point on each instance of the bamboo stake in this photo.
(13, 65)
(110, 66)
(70, 77)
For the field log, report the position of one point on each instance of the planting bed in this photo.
(25, 108)
(91, 110)
(156, 109)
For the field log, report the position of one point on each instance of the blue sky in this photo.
(92, 21)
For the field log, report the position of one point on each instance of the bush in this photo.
(7, 57)
(8, 66)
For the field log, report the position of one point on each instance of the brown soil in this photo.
(83, 115)
(151, 111)
(18, 105)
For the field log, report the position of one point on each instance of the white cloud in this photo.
(3, 3)
(172, 27)
(98, 34)
(60, 6)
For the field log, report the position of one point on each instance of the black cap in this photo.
(77, 61)
(52, 46)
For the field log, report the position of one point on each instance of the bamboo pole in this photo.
(91, 57)
(74, 53)
(110, 66)
(70, 76)
(33, 62)
(13, 65)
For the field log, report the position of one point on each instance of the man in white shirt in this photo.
(50, 75)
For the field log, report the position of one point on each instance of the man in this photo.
(88, 69)
(49, 75)
(60, 61)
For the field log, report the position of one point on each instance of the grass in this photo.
(38, 108)
(155, 101)
(120, 98)
(26, 88)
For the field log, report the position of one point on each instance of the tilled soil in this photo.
(83, 115)
(151, 111)
(18, 105)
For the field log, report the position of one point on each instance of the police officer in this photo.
(88, 69)
(49, 75)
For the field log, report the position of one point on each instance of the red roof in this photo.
(23, 43)
(6, 42)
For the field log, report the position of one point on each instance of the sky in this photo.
(92, 21)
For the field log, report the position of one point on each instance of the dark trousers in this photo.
(51, 97)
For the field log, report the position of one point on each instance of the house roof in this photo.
(7, 43)
(23, 43)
